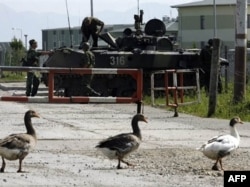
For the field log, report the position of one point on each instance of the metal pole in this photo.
(152, 86)
(215, 21)
(138, 7)
(180, 30)
(26, 41)
(70, 33)
(91, 8)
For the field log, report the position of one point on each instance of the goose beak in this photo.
(239, 121)
(145, 120)
(36, 115)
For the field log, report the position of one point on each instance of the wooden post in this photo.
(226, 71)
(240, 51)
(214, 77)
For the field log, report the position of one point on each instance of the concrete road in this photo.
(67, 135)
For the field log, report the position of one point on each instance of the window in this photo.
(202, 43)
(248, 21)
(202, 22)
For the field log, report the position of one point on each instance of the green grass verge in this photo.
(225, 108)
(12, 77)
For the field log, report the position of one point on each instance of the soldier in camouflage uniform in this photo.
(90, 28)
(32, 59)
(88, 62)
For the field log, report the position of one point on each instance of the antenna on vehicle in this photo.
(138, 7)
(70, 33)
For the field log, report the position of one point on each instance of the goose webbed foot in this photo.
(18, 171)
(128, 164)
(119, 167)
(125, 162)
(215, 167)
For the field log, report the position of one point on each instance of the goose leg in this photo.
(119, 164)
(3, 165)
(20, 166)
(221, 164)
(215, 166)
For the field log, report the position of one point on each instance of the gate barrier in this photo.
(177, 90)
(135, 73)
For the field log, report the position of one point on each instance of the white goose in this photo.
(220, 146)
(17, 146)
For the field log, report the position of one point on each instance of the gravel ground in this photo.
(67, 135)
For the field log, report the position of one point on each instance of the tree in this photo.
(18, 52)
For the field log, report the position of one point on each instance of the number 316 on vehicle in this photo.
(117, 60)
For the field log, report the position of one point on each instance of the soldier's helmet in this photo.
(210, 42)
(85, 46)
(87, 20)
(32, 41)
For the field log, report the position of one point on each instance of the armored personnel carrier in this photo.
(149, 50)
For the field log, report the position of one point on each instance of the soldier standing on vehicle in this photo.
(88, 62)
(32, 82)
(90, 28)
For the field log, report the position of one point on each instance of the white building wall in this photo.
(186, 37)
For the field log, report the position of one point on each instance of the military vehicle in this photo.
(149, 50)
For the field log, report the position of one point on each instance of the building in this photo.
(4, 50)
(58, 37)
(196, 22)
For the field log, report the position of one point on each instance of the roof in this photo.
(207, 3)
(172, 26)
(107, 27)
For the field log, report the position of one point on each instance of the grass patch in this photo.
(225, 108)
(12, 77)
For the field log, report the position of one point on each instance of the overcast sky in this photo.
(81, 7)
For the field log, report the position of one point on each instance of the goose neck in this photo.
(234, 132)
(136, 129)
(28, 125)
